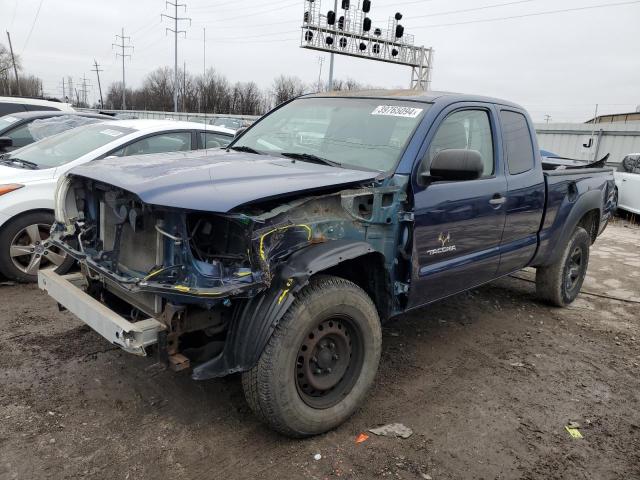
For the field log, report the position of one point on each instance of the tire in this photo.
(29, 234)
(559, 284)
(320, 361)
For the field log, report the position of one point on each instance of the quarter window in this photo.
(517, 139)
(466, 130)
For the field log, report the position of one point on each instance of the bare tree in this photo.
(285, 88)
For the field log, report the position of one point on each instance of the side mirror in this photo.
(456, 164)
(239, 132)
(5, 143)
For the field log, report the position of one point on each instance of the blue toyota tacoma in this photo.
(280, 256)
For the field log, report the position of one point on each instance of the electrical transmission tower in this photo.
(125, 43)
(176, 32)
(84, 90)
(97, 70)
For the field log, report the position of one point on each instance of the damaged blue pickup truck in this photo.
(280, 256)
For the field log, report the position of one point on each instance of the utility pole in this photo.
(175, 31)
(97, 70)
(547, 118)
(64, 95)
(320, 61)
(123, 45)
(204, 74)
(335, 10)
(13, 59)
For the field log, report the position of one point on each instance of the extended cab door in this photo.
(525, 191)
(458, 224)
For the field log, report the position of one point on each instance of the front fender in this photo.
(254, 322)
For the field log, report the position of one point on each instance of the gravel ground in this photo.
(487, 381)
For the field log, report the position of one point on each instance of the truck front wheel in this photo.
(320, 362)
(559, 284)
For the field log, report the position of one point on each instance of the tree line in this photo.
(211, 92)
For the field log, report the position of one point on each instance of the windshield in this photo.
(353, 132)
(70, 145)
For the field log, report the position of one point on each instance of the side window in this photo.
(467, 130)
(214, 140)
(165, 142)
(517, 139)
(21, 136)
(7, 108)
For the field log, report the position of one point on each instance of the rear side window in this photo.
(163, 143)
(518, 144)
(7, 108)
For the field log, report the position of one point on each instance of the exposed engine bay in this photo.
(193, 270)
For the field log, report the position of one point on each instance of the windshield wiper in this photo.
(243, 148)
(19, 161)
(308, 157)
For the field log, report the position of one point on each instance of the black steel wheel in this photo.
(329, 362)
(559, 283)
(320, 362)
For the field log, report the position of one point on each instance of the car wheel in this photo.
(320, 362)
(559, 284)
(25, 248)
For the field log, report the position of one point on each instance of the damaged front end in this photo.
(217, 282)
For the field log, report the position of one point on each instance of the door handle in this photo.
(497, 200)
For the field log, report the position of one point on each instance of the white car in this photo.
(628, 183)
(26, 104)
(28, 178)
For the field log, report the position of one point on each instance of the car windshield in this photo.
(70, 145)
(353, 132)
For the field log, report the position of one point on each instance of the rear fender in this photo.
(255, 321)
(557, 235)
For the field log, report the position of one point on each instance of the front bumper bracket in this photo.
(132, 337)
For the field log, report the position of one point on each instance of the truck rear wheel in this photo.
(559, 284)
(320, 362)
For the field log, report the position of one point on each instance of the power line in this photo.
(253, 14)
(535, 14)
(465, 10)
(35, 19)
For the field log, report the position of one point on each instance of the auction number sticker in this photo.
(111, 133)
(395, 111)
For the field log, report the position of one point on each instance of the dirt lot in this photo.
(487, 381)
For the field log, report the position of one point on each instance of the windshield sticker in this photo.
(394, 111)
(10, 119)
(111, 133)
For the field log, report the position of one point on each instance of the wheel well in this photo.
(22, 214)
(590, 221)
(369, 273)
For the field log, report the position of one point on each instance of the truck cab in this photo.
(280, 256)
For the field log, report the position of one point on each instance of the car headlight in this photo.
(62, 190)
(9, 188)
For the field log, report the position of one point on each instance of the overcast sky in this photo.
(560, 64)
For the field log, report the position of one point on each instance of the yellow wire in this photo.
(278, 229)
